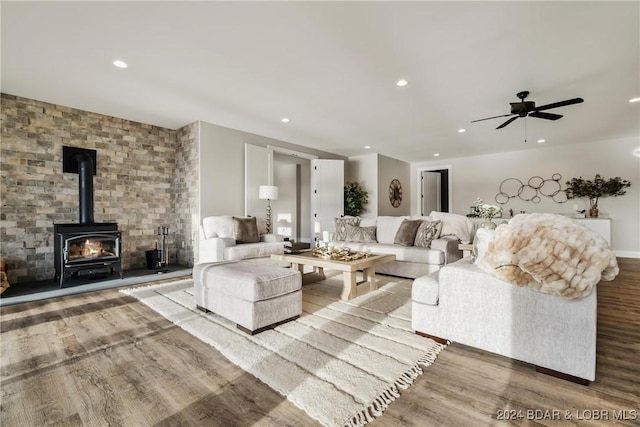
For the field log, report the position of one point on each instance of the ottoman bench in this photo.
(255, 296)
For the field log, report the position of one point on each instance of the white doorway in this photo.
(434, 189)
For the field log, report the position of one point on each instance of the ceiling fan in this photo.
(528, 108)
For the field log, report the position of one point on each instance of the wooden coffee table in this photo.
(348, 268)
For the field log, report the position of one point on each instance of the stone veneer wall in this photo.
(186, 193)
(134, 182)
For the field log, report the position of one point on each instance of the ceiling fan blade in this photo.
(489, 118)
(560, 104)
(548, 116)
(507, 122)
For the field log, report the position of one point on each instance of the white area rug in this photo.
(343, 363)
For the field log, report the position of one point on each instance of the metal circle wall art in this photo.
(535, 187)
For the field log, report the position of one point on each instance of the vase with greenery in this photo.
(355, 199)
(599, 187)
(487, 212)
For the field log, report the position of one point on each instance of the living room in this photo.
(171, 152)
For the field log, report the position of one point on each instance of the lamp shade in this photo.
(269, 192)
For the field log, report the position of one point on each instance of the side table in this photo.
(466, 249)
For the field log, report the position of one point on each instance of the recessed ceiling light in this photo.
(436, 154)
(540, 141)
(637, 99)
(285, 120)
(462, 130)
(120, 64)
(367, 146)
(402, 83)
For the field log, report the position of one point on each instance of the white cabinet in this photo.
(602, 226)
(327, 193)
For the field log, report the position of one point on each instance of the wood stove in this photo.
(87, 248)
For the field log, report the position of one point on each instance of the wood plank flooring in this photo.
(105, 359)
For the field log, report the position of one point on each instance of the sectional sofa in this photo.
(411, 261)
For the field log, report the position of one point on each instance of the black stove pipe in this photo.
(85, 187)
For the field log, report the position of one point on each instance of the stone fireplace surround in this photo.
(142, 183)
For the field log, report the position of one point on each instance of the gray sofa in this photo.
(412, 261)
(464, 304)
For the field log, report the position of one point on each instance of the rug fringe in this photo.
(375, 408)
(383, 400)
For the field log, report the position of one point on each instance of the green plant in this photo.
(355, 198)
(599, 187)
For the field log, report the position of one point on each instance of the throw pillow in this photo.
(454, 225)
(245, 230)
(406, 234)
(387, 227)
(427, 231)
(341, 226)
(480, 244)
(353, 233)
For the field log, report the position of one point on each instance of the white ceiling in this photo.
(331, 67)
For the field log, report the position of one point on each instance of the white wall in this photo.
(375, 172)
(364, 170)
(221, 167)
(480, 176)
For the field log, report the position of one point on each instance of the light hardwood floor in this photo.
(105, 359)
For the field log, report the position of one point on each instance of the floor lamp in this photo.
(268, 193)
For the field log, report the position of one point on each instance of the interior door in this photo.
(431, 192)
(327, 193)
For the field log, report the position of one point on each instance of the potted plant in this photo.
(599, 187)
(355, 198)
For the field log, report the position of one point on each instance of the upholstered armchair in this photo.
(226, 238)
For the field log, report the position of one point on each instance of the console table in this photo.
(602, 226)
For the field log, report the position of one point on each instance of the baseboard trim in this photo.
(433, 337)
(562, 376)
(627, 254)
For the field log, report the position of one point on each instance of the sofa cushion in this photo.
(427, 231)
(253, 250)
(480, 244)
(425, 289)
(262, 225)
(354, 246)
(353, 233)
(251, 281)
(368, 222)
(405, 253)
(341, 226)
(454, 225)
(406, 234)
(387, 227)
(218, 226)
(245, 230)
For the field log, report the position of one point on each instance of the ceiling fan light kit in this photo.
(529, 109)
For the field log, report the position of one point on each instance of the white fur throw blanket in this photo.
(549, 253)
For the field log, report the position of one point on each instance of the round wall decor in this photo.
(395, 193)
(531, 191)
